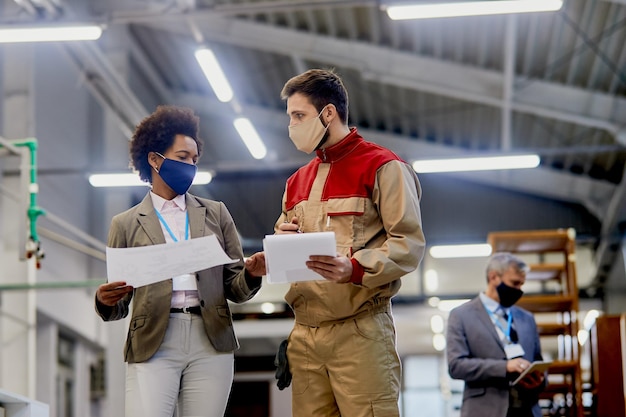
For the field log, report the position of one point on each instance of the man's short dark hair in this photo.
(322, 87)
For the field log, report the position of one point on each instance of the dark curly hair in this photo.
(156, 133)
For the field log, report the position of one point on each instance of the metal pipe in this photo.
(33, 211)
(95, 243)
(72, 244)
(20, 286)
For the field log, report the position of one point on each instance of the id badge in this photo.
(513, 350)
(185, 282)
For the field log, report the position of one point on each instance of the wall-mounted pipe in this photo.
(53, 285)
(34, 211)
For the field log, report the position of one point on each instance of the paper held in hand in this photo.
(534, 367)
(286, 255)
(149, 264)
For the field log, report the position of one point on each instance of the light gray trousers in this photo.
(186, 372)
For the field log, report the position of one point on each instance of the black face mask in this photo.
(508, 295)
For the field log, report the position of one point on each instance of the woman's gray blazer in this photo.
(139, 226)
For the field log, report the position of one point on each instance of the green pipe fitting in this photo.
(33, 211)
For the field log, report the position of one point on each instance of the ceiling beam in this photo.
(508, 80)
(492, 88)
(549, 183)
(106, 85)
(408, 70)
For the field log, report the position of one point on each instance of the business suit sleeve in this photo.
(117, 239)
(236, 287)
(537, 351)
(462, 362)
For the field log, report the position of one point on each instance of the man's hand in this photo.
(333, 268)
(255, 265)
(532, 380)
(110, 293)
(286, 227)
(517, 365)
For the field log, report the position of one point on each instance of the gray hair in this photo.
(501, 261)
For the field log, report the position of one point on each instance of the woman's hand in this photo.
(112, 292)
(255, 265)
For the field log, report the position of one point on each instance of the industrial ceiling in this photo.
(553, 84)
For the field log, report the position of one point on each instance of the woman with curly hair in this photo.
(180, 342)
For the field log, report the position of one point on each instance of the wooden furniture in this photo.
(551, 292)
(608, 362)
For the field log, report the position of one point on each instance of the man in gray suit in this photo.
(490, 342)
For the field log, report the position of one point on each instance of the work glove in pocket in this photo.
(283, 376)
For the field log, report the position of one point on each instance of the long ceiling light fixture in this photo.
(214, 74)
(222, 89)
(472, 8)
(250, 137)
(133, 180)
(64, 33)
(477, 163)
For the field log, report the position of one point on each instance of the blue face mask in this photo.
(177, 175)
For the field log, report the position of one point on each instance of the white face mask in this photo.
(308, 135)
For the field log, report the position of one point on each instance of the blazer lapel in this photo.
(484, 318)
(197, 214)
(523, 328)
(149, 221)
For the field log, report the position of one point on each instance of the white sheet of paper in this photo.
(286, 255)
(149, 264)
(185, 282)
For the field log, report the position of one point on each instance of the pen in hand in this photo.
(290, 227)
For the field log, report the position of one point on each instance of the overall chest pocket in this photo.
(346, 217)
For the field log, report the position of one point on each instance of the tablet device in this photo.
(535, 366)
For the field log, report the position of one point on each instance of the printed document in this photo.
(149, 264)
(286, 255)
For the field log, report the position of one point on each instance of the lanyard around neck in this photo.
(509, 320)
(170, 230)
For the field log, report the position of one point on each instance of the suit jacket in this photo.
(139, 226)
(476, 355)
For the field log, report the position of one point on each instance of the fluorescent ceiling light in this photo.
(213, 72)
(474, 8)
(477, 164)
(50, 33)
(250, 137)
(460, 251)
(133, 180)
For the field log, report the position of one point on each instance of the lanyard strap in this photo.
(170, 230)
(507, 331)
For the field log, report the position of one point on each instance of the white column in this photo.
(47, 369)
(17, 321)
